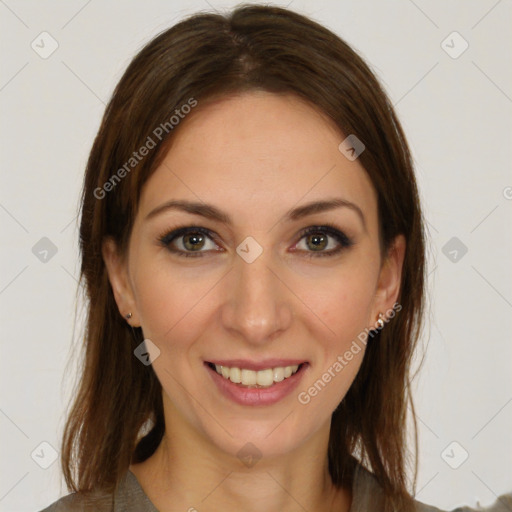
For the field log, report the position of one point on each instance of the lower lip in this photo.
(257, 396)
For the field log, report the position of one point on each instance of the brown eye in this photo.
(317, 241)
(193, 241)
(189, 241)
(323, 241)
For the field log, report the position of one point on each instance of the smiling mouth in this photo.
(256, 379)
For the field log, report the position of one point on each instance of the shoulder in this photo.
(368, 496)
(502, 504)
(77, 503)
(129, 498)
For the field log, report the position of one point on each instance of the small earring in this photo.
(128, 316)
(380, 321)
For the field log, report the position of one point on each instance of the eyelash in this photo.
(168, 237)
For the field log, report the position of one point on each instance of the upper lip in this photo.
(256, 365)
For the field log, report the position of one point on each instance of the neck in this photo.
(188, 473)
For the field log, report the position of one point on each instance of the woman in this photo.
(253, 254)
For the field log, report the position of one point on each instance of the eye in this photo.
(189, 241)
(192, 241)
(319, 238)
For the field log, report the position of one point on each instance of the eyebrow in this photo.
(211, 212)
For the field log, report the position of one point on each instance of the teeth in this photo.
(278, 374)
(235, 375)
(261, 378)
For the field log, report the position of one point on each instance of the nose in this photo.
(258, 307)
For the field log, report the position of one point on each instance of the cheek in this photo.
(343, 305)
(169, 298)
(344, 300)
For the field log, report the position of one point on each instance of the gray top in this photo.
(366, 497)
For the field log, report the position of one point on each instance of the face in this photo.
(251, 276)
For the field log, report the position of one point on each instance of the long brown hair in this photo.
(117, 415)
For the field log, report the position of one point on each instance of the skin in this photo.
(255, 156)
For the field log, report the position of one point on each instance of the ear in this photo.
(388, 286)
(118, 277)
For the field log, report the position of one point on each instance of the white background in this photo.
(457, 116)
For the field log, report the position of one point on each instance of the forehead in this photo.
(257, 153)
